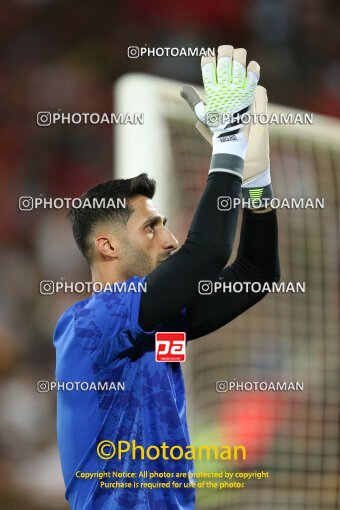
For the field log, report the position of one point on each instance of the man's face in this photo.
(146, 242)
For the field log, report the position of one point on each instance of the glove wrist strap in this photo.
(229, 154)
(229, 163)
(257, 197)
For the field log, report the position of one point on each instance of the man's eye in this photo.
(150, 228)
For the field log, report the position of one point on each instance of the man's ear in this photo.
(107, 246)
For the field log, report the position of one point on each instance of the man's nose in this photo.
(170, 242)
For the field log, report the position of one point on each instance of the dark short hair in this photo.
(85, 219)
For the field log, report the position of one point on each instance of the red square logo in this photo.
(170, 346)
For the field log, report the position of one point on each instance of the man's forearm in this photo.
(258, 253)
(257, 260)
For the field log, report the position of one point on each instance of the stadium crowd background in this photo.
(57, 54)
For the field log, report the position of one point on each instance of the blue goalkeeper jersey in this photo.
(100, 344)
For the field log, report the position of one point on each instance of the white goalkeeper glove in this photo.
(256, 187)
(229, 93)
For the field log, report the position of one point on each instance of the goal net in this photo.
(288, 337)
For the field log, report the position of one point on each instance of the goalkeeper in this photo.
(110, 335)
